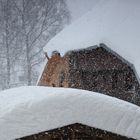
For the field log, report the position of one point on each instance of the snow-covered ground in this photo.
(113, 22)
(28, 110)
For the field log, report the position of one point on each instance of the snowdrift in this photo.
(113, 22)
(28, 110)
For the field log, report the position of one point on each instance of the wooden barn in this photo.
(96, 68)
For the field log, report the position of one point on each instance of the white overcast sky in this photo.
(80, 7)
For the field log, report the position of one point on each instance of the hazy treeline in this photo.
(25, 27)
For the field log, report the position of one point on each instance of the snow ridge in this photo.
(29, 110)
(112, 22)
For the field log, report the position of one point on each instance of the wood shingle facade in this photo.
(75, 132)
(96, 69)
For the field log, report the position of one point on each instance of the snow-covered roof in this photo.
(28, 110)
(113, 22)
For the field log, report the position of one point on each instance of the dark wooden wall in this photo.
(95, 69)
(98, 69)
(76, 132)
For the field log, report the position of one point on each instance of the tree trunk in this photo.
(8, 65)
(29, 79)
(7, 49)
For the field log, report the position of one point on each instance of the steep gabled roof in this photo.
(113, 22)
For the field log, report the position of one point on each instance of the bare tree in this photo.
(40, 19)
(8, 35)
(25, 27)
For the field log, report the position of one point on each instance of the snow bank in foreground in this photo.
(28, 110)
(113, 22)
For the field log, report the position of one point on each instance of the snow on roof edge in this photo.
(21, 112)
(114, 21)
